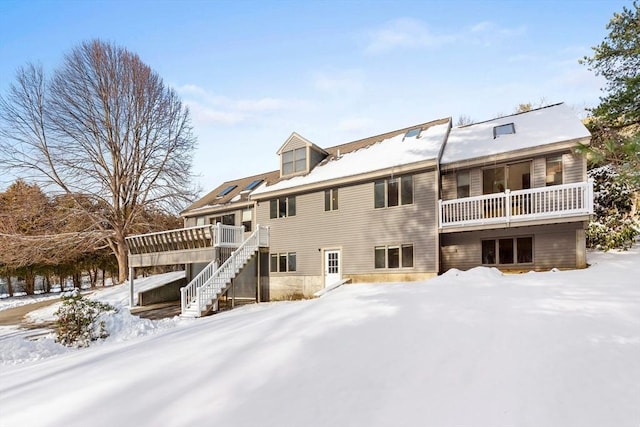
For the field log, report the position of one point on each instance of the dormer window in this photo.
(507, 129)
(294, 161)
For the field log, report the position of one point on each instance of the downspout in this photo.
(439, 195)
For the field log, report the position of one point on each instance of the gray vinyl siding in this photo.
(356, 228)
(554, 245)
(293, 144)
(475, 178)
(315, 157)
(449, 186)
(539, 178)
(574, 168)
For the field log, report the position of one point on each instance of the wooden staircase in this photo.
(201, 295)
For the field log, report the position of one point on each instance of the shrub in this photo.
(614, 225)
(79, 320)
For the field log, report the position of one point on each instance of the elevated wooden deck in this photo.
(535, 206)
(182, 246)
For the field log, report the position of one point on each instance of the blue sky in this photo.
(252, 72)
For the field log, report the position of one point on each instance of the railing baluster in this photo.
(534, 203)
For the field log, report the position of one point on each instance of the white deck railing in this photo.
(212, 281)
(202, 236)
(521, 205)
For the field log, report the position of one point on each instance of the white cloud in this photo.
(207, 107)
(487, 33)
(206, 115)
(404, 33)
(409, 33)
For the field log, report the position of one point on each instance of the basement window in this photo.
(507, 129)
(505, 251)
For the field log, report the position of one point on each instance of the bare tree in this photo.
(105, 127)
(464, 120)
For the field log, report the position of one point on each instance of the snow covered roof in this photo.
(393, 151)
(230, 192)
(547, 125)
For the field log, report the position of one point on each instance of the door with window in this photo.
(332, 267)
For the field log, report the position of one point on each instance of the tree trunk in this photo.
(76, 280)
(122, 257)
(30, 283)
(9, 285)
(93, 276)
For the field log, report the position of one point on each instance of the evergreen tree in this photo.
(617, 59)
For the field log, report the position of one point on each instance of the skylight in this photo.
(507, 129)
(253, 184)
(412, 132)
(227, 190)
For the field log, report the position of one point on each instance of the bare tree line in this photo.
(105, 132)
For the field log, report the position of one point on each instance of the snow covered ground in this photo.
(474, 348)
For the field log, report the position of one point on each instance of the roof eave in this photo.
(522, 152)
(352, 179)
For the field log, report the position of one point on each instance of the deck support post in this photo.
(131, 277)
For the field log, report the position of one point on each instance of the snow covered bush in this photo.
(614, 225)
(79, 320)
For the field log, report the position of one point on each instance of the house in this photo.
(405, 205)
(515, 193)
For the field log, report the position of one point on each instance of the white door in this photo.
(331, 267)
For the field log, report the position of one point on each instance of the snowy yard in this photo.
(474, 348)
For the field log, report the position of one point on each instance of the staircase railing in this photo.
(213, 280)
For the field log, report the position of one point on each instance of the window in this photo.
(525, 250)
(228, 219)
(393, 192)
(407, 255)
(554, 170)
(412, 132)
(380, 256)
(393, 256)
(493, 180)
(283, 262)
(247, 216)
(406, 185)
(514, 176)
(378, 190)
(509, 250)
(253, 184)
(227, 190)
(462, 180)
(200, 220)
(294, 161)
(282, 207)
(331, 200)
(507, 129)
(505, 251)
